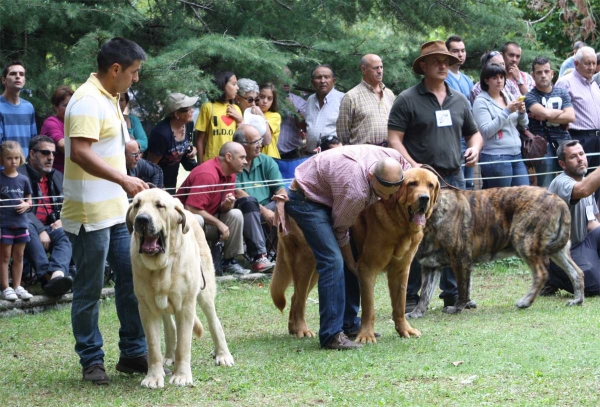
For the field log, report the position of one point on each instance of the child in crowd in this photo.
(15, 200)
(268, 105)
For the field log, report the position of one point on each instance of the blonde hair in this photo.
(13, 146)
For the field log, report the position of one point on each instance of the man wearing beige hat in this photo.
(170, 141)
(426, 124)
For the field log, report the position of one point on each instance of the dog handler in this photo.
(327, 194)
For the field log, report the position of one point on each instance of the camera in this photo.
(52, 217)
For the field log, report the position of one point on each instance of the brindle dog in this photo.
(469, 227)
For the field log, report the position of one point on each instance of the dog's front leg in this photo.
(397, 282)
(367, 277)
(184, 321)
(170, 338)
(430, 279)
(155, 377)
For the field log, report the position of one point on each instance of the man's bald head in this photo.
(371, 67)
(388, 169)
(132, 154)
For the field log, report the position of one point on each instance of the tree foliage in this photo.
(188, 40)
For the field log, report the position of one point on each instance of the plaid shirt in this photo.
(338, 178)
(363, 115)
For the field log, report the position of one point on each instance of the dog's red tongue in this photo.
(419, 219)
(150, 245)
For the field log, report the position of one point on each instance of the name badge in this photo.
(443, 118)
(589, 213)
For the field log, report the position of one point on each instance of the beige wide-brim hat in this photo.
(432, 48)
(177, 101)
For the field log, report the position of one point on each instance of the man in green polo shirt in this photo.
(256, 185)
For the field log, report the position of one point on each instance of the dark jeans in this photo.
(587, 256)
(339, 291)
(468, 172)
(290, 154)
(447, 280)
(60, 252)
(512, 174)
(548, 168)
(90, 251)
(254, 236)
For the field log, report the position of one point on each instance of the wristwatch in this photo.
(520, 82)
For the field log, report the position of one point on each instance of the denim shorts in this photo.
(12, 236)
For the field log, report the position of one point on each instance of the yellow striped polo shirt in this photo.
(90, 201)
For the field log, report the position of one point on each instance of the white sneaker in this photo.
(9, 294)
(23, 293)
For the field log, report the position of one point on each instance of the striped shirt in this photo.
(338, 178)
(321, 121)
(585, 97)
(17, 123)
(363, 115)
(95, 203)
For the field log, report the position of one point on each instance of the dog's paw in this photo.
(523, 303)
(451, 310)
(574, 302)
(182, 379)
(304, 333)
(153, 382)
(414, 315)
(408, 332)
(471, 305)
(223, 359)
(366, 337)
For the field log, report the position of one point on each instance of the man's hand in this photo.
(56, 225)
(269, 216)
(45, 239)
(514, 72)
(471, 156)
(228, 203)
(224, 229)
(133, 185)
(23, 207)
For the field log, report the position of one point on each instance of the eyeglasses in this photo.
(256, 143)
(46, 152)
(388, 183)
(250, 100)
(134, 155)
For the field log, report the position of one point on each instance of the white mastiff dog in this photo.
(172, 268)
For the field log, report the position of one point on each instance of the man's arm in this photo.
(474, 146)
(587, 186)
(560, 116)
(395, 141)
(210, 220)
(83, 155)
(342, 127)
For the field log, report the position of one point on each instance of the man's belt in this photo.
(584, 132)
(295, 186)
(447, 173)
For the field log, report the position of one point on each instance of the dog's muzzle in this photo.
(151, 242)
(417, 216)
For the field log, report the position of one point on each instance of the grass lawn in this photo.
(495, 355)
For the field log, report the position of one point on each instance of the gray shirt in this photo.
(321, 121)
(562, 186)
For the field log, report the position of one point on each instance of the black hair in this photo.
(120, 51)
(540, 61)
(312, 73)
(12, 63)
(560, 151)
(452, 38)
(507, 44)
(33, 143)
(490, 71)
(220, 81)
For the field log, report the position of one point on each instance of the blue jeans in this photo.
(516, 173)
(468, 172)
(339, 294)
(447, 280)
(60, 252)
(90, 252)
(549, 164)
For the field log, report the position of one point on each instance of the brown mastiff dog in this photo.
(386, 235)
(469, 227)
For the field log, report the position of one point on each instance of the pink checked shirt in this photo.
(585, 97)
(338, 178)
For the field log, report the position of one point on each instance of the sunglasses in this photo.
(389, 184)
(46, 152)
(250, 100)
(256, 143)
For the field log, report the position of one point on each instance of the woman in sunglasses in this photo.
(54, 126)
(170, 142)
(247, 94)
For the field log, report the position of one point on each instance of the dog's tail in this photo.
(282, 277)
(198, 328)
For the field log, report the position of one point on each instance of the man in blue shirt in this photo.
(17, 116)
(462, 83)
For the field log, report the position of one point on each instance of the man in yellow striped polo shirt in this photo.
(96, 185)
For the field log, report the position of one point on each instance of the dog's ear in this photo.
(434, 196)
(128, 220)
(182, 219)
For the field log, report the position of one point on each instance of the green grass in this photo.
(495, 355)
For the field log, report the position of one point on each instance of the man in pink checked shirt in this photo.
(327, 194)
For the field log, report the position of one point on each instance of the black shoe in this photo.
(341, 342)
(450, 301)
(58, 286)
(548, 290)
(136, 365)
(354, 333)
(411, 304)
(96, 374)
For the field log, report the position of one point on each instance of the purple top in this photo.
(54, 128)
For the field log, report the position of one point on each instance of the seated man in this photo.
(577, 191)
(208, 193)
(45, 227)
(138, 167)
(256, 184)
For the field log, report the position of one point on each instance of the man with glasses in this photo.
(256, 185)
(45, 226)
(138, 167)
(327, 194)
(426, 125)
(17, 116)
